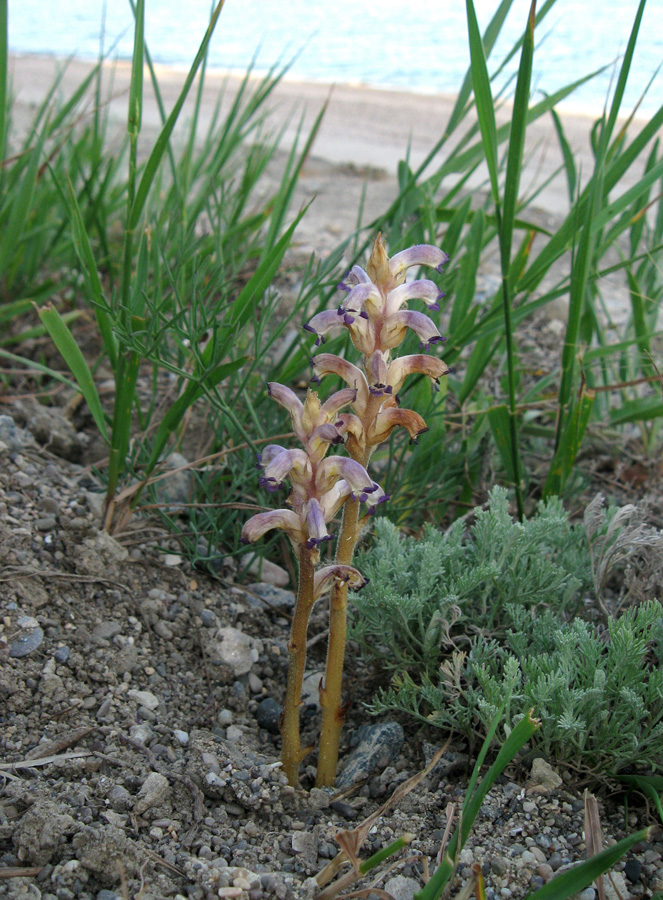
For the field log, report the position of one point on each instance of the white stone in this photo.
(543, 777)
(154, 791)
(144, 698)
(401, 887)
(269, 572)
(233, 649)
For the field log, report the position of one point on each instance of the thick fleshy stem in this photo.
(291, 750)
(333, 710)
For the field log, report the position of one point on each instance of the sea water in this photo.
(413, 45)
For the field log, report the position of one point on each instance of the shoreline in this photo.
(364, 127)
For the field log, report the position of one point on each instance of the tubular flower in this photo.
(325, 577)
(373, 308)
(319, 486)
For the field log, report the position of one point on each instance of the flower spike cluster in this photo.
(320, 484)
(375, 315)
(375, 312)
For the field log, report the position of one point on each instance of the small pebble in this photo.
(144, 698)
(62, 654)
(224, 717)
(343, 809)
(208, 618)
(181, 737)
(27, 642)
(46, 523)
(545, 872)
(633, 869)
(268, 715)
(588, 894)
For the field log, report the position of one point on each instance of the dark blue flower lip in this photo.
(363, 314)
(307, 327)
(426, 345)
(360, 587)
(379, 389)
(270, 484)
(415, 439)
(313, 542)
(342, 286)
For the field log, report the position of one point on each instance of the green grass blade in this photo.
(575, 879)
(484, 98)
(643, 409)
(185, 401)
(70, 352)
(135, 114)
(567, 156)
(86, 257)
(650, 785)
(159, 148)
(624, 73)
(570, 442)
(467, 279)
(500, 424)
(490, 36)
(38, 367)
(517, 142)
(4, 98)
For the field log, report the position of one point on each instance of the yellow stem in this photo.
(333, 711)
(291, 751)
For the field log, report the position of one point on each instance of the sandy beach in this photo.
(364, 134)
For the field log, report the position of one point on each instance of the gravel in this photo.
(142, 703)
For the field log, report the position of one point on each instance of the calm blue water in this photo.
(416, 45)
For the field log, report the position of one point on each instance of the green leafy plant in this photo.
(463, 620)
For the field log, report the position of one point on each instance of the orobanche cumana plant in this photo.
(474, 624)
(374, 312)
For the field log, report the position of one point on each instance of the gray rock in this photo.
(208, 618)
(104, 631)
(144, 698)
(305, 844)
(232, 648)
(62, 654)
(311, 689)
(274, 597)
(543, 778)
(11, 435)
(37, 836)
(46, 523)
(99, 553)
(401, 887)
(181, 737)
(29, 639)
(51, 427)
(268, 715)
(268, 571)
(154, 792)
(102, 850)
(141, 733)
(378, 746)
(177, 489)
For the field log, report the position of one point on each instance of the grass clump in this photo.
(473, 622)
